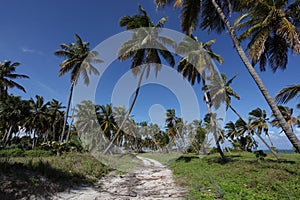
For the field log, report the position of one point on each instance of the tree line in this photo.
(269, 27)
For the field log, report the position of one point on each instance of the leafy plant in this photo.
(13, 152)
(260, 154)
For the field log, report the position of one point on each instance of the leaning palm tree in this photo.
(223, 9)
(239, 135)
(259, 122)
(225, 87)
(7, 76)
(145, 50)
(79, 60)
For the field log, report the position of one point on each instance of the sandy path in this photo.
(150, 181)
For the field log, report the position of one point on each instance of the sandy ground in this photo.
(150, 181)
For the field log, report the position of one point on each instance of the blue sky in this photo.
(32, 30)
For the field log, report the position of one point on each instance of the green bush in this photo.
(38, 153)
(14, 152)
(260, 154)
(76, 144)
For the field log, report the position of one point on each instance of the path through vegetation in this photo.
(152, 180)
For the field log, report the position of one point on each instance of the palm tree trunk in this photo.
(67, 112)
(53, 131)
(128, 112)
(70, 126)
(9, 132)
(224, 158)
(258, 135)
(289, 133)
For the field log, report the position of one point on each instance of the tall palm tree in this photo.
(55, 116)
(195, 66)
(145, 50)
(7, 76)
(223, 9)
(288, 131)
(225, 87)
(38, 121)
(78, 61)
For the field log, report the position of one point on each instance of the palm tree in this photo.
(38, 121)
(288, 116)
(288, 131)
(259, 122)
(55, 116)
(271, 29)
(107, 121)
(223, 9)
(79, 61)
(212, 125)
(145, 49)
(12, 112)
(236, 133)
(195, 66)
(7, 77)
(225, 87)
(87, 124)
(172, 124)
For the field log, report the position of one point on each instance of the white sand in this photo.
(150, 181)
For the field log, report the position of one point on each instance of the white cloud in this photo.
(33, 51)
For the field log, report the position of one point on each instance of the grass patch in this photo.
(43, 176)
(243, 177)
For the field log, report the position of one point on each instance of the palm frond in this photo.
(190, 15)
(288, 93)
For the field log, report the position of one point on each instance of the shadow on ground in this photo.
(39, 180)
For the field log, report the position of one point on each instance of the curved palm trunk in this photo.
(67, 112)
(289, 133)
(258, 135)
(127, 113)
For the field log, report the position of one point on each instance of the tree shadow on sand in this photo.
(39, 180)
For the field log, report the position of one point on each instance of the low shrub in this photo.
(260, 154)
(13, 152)
(38, 153)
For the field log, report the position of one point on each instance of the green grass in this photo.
(244, 177)
(43, 176)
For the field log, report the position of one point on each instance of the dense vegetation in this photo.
(271, 29)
